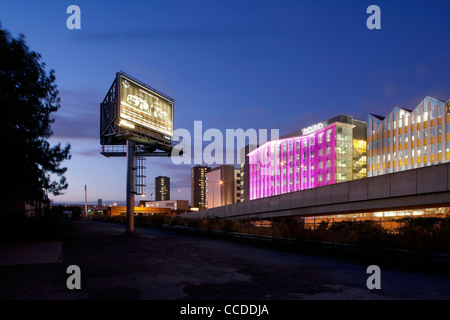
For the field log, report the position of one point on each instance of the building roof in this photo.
(377, 116)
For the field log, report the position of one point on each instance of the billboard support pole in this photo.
(130, 192)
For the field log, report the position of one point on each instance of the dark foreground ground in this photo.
(161, 265)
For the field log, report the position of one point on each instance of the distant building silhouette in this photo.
(198, 187)
(162, 188)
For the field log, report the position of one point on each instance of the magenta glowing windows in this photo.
(293, 164)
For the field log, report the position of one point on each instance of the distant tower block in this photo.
(162, 188)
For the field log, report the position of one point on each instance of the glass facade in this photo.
(326, 156)
(408, 139)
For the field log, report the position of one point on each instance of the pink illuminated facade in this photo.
(322, 157)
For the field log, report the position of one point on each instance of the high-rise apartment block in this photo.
(162, 188)
(198, 186)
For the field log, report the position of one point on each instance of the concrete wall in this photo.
(416, 188)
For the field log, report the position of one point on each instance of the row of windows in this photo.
(404, 138)
(409, 152)
(304, 180)
(399, 169)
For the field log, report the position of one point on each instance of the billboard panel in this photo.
(139, 105)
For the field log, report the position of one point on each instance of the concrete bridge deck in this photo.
(426, 187)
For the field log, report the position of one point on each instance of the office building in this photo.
(162, 188)
(244, 173)
(222, 186)
(325, 153)
(407, 139)
(198, 186)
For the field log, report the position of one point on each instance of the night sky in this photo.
(231, 64)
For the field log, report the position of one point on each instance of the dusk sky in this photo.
(231, 64)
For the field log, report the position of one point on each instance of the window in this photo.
(439, 130)
(432, 131)
(425, 133)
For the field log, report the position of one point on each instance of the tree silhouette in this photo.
(30, 166)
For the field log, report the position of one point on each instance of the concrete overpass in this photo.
(427, 187)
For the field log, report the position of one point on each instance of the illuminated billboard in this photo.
(144, 107)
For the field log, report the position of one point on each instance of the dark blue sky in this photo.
(232, 64)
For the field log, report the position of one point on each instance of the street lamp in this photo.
(173, 198)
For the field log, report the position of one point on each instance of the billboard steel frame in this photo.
(133, 143)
